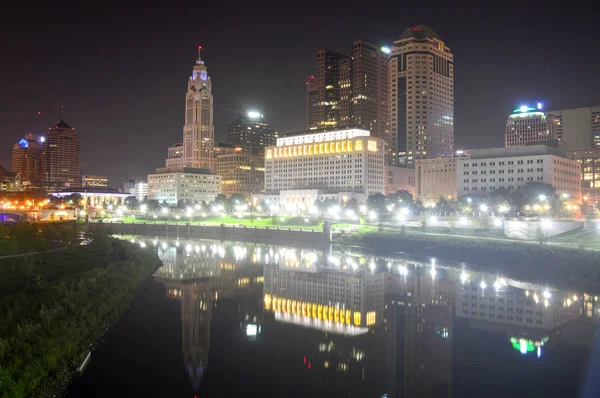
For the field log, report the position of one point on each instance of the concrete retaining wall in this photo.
(526, 230)
(222, 232)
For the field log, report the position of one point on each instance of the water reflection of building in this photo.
(428, 331)
(333, 293)
(197, 276)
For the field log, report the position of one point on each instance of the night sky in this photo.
(121, 70)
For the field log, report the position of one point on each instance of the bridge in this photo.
(6, 217)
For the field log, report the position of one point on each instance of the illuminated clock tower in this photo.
(199, 131)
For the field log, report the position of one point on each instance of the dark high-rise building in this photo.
(351, 90)
(27, 159)
(329, 67)
(251, 133)
(60, 158)
(312, 111)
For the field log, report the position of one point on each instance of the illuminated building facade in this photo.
(140, 190)
(170, 185)
(27, 159)
(251, 133)
(399, 179)
(421, 70)
(435, 178)
(528, 125)
(175, 156)
(94, 181)
(350, 90)
(341, 161)
(197, 148)
(10, 181)
(512, 168)
(241, 173)
(578, 128)
(312, 111)
(60, 159)
(589, 160)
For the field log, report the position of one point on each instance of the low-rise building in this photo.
(94, 181)
(175, 156)
(512, 168)
(241, 173)
(347, 161)
(590, 172)
(399, 179)
(10, 181)
(140, 190)
(435, 178)
(170, 185)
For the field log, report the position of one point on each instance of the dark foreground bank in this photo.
(48, 325)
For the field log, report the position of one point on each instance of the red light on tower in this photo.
(309, 366)
(305, 360)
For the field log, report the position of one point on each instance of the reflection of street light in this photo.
(546, 223)
(497, 222)
(469, 200)
(503, 208)
(463, 221)
(483, 207)
(542, 197)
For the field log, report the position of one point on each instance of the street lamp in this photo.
(483, 208)
(542, 197)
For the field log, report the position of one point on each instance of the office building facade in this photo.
(60, 158)
(589, 159)
(512, 168)
(578, 128)
(528, 125)
(94, 181)
(27, 159)
(421, 81)
(191, 185)
(399, 179)
(435, 178)
(302, 168)
(241, 173)
(350, 90)
(251, 133)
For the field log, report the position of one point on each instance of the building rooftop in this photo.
(6, 173)
(419, 32)
(506, 152)
(191, 170)
(61, 125)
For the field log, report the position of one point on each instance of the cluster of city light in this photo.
(26, 204)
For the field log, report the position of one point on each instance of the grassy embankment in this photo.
(52, 309)
(529, 261)
(261, 222)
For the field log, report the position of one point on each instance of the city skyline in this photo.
(98, 101)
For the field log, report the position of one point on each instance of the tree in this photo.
(132, 203)
(351, 204)
(234, 200)
(181, 204)
(69, 236)
(153, 205)
(401, 198)
(376, 202)
(540, 237)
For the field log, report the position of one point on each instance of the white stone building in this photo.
(512, 168)
(170, 185)
(344, 163)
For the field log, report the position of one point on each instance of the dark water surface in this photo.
(232, 319)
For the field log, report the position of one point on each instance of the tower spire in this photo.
(62, 111)
(199, 51)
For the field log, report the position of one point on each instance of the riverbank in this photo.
(519, 260)
(54, 314)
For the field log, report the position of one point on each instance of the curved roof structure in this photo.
(419, 32)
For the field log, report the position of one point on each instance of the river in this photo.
(232, 319)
